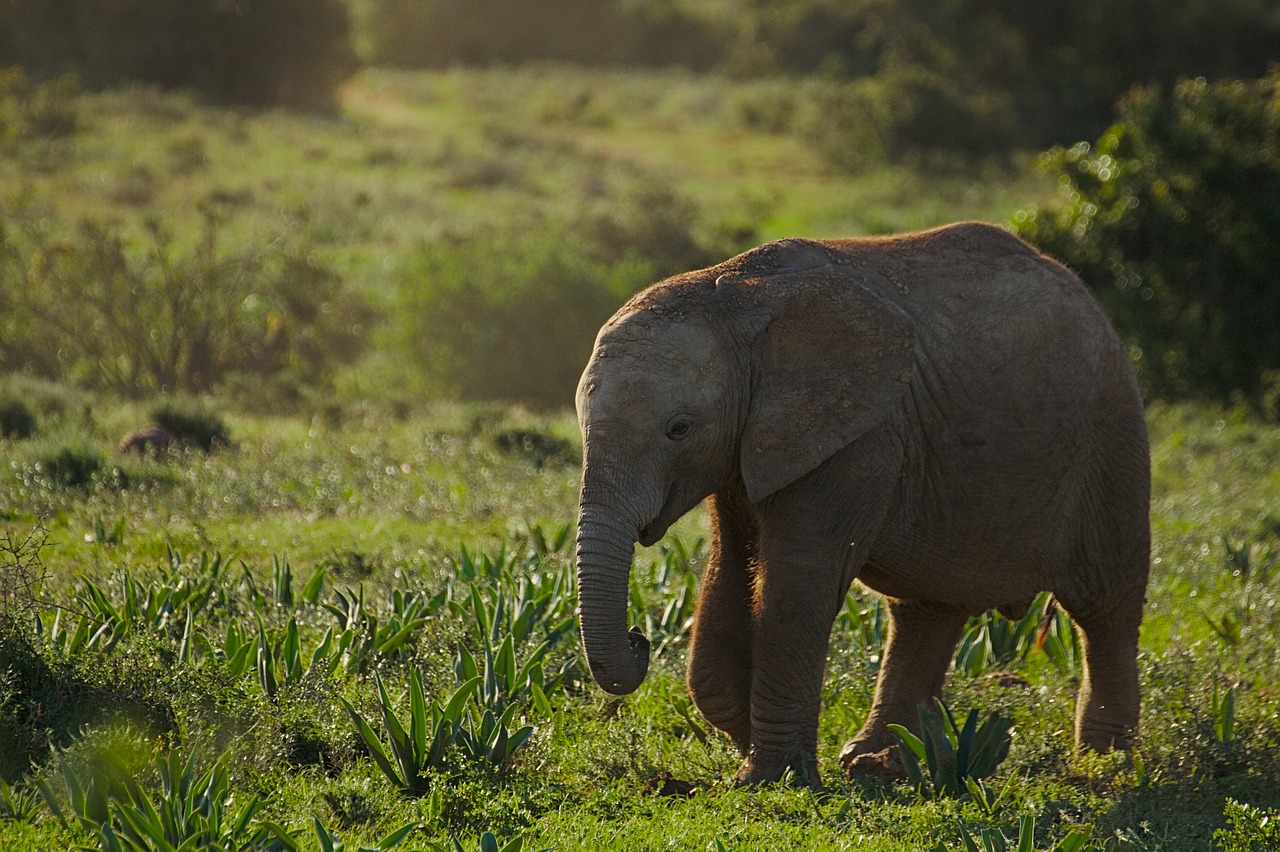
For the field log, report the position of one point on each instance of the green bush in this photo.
(69, 465)
(29, 110)
(192, 425)
(441, 33)
(16, 419)
(1249, 828)
(102, 309)
(1173, 218)
(259, 53)
(513, 316)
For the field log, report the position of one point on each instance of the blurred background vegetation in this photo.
(289, 202)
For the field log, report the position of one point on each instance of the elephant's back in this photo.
(985, 303)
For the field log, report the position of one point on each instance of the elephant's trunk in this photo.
(619, 659)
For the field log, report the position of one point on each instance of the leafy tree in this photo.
(258, 53)
(1173, 218)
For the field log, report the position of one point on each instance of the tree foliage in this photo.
(972, 76)
(1173, 218)
(257, 53)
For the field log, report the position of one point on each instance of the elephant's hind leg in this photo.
(922, 639)
(720, 667)
(1108, 706)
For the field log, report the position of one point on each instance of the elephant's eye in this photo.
(679, 427)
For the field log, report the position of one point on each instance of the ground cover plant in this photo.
(372, 637)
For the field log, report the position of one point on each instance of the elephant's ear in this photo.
(832, 362)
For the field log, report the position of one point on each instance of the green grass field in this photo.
(421, 512)
(240, 608)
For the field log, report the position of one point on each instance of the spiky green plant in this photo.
(191, 810)
(946, 756)
(993, 840)
(412, 752)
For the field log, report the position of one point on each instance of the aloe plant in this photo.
(674, 584)
(414, 750)
(327, 841)
(166, 604)
(1223, 705)
(993, 840)
(946, 755)
(191, 810)
(18, 803)
(488, 842)
(992, 641)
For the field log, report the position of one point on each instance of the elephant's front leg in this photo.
(796, 604)
(720, 650)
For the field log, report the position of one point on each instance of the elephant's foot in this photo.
(873, 757)
(757, 769)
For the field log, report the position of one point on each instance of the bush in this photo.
(513, 316)
(253, 52)
(1173, 218)
(441, 33)
(30, 110)
(99, 308)
(70, 465)
(192, 425)
(16, 419)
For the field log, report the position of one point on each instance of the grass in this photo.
(413, 155)
(596, 772)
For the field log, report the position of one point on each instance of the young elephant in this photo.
(946, 416)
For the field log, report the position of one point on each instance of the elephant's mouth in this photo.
(652, 532)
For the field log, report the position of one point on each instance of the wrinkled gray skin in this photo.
(946, 416)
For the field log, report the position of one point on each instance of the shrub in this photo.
(101, 308)
(69, 465)
(511, 315)
(16, 419)
(1249, 828)
(255, 52)
(512, 318)
(192, 425)
(1172, 218)
(30, 110)
(441, 33)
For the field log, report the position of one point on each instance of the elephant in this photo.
(946, 416)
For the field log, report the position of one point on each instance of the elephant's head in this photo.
(751, 372)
